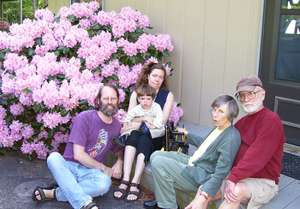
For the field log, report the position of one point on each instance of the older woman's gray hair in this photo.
(233, 108)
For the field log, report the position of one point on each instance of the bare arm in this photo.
(132, 100)
(130, 126)
(81, 156)
(130, 123)
(168, 107)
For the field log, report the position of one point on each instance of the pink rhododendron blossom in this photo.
(42, 134)
(41, 150)
(44, 14)
(27, 148)
(143, 42)
(5, 139)
(27, 132)
(4, 37)
(121, 115)
(85, 23)
(16, 109)
(135, 72)
(15, 130)
(51, 120)
(124, 79)
(176, 114)
(14, 61)
(121, 95)
(25, 99)
(151, 60)
(2, 113)
(61, 137)
(104, 18)
(38, 147)
(162, 42)
(8, 84)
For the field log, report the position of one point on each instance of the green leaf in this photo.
(27, 90)
(38, 41)
(61, 77)
(64, 112)
(37, 108)
(3, 52)
(74, 20)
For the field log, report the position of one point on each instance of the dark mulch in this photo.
(291, 165)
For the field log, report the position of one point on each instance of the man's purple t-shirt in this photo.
(89, 131)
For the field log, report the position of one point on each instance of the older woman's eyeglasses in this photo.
(242, 96)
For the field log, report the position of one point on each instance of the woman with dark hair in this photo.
(204, 171)
(154, 75)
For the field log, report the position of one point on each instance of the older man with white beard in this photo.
(253, 180)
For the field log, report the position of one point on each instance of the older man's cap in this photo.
(248, 84)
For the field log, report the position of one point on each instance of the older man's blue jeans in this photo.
(77, 183)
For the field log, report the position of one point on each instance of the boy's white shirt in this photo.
(154, 112)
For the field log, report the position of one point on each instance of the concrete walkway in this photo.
(20, 176)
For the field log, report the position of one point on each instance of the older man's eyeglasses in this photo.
(242, 96)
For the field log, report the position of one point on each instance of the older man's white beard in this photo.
(252, 108)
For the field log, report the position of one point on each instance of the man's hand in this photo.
(117, 169)
(199, 202)
(230, 195)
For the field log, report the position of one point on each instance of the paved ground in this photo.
(20, 176)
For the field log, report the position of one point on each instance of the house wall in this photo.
(55, 5)
(216, 43)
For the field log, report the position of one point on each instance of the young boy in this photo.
(147, 111)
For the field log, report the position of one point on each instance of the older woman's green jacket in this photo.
(211, 169)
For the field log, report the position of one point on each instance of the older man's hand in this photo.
(230, 195)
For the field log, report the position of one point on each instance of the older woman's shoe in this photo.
(150, 204)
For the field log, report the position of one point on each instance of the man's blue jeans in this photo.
(77, 183)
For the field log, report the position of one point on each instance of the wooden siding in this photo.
(55, 5)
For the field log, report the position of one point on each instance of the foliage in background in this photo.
(11, 9)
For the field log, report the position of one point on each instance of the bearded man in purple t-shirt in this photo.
(80, 173)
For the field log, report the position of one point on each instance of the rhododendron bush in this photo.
(53, 67)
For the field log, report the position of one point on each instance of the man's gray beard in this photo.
(108, 111)
(252, 108)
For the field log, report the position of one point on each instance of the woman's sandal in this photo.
(136, 193)
(121, 190)
(41, 193)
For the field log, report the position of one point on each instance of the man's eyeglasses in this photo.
(242, 96)
(110, 99)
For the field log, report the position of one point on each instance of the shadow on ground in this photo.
(20, 176)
